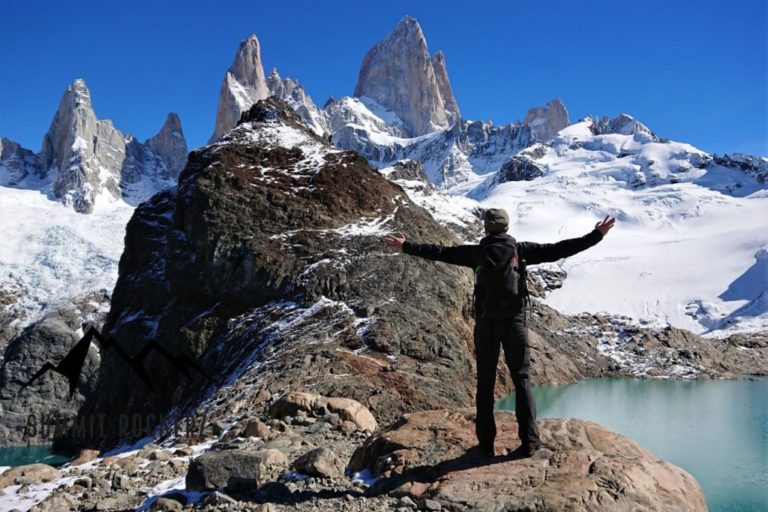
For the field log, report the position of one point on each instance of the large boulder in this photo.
(320, 462)
(214, 470)
(582, 466)
(346, 408)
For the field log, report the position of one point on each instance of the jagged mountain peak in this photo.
(79, 88)
(84, 158)
(409, 30)
(247, 67)
(76, 96)
(169, 144)
(244, 84)
(292, 92)
(399, 74)
(172, 123)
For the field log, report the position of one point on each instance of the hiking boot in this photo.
(526, 450)
(484, 451)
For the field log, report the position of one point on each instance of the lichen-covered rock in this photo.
(581, 467)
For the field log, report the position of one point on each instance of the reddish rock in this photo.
(582, 466)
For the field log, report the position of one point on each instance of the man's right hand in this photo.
(395, 240)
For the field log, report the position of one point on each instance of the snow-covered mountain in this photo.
(51, 252)
(85, 160)
(403, 109)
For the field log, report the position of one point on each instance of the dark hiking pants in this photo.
(490, 334)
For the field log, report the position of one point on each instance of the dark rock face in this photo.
(25, 414)
(754, 165)
(18, 161)
(412, 171)
(266, 263)
(518, 168)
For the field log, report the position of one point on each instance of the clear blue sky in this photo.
(694, 71)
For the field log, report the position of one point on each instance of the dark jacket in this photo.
(531, 252)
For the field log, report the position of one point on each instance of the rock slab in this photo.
(582, 466)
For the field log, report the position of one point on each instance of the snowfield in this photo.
(690, 244)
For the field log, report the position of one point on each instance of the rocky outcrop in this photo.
(756, 166)
(581, 466)
(546, 121)
(518, 168)
(243, 85)
(623, 124)
(348, 410)
(44, 410)
(16, 162)
(271, 244)
(86, 157)
(399, 74)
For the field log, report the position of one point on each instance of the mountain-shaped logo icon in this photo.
(72, 364)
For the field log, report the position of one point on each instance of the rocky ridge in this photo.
(428, 456)
(310, 452)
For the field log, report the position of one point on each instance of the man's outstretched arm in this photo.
(464, 255)
(534, 253)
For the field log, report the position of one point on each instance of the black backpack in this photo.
(500, 281)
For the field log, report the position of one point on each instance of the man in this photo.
(499, 261)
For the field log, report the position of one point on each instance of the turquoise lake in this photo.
(31, 454)
(716, 430)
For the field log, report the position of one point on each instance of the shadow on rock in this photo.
(427, 474)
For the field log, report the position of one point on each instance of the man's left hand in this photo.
(605, 225)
